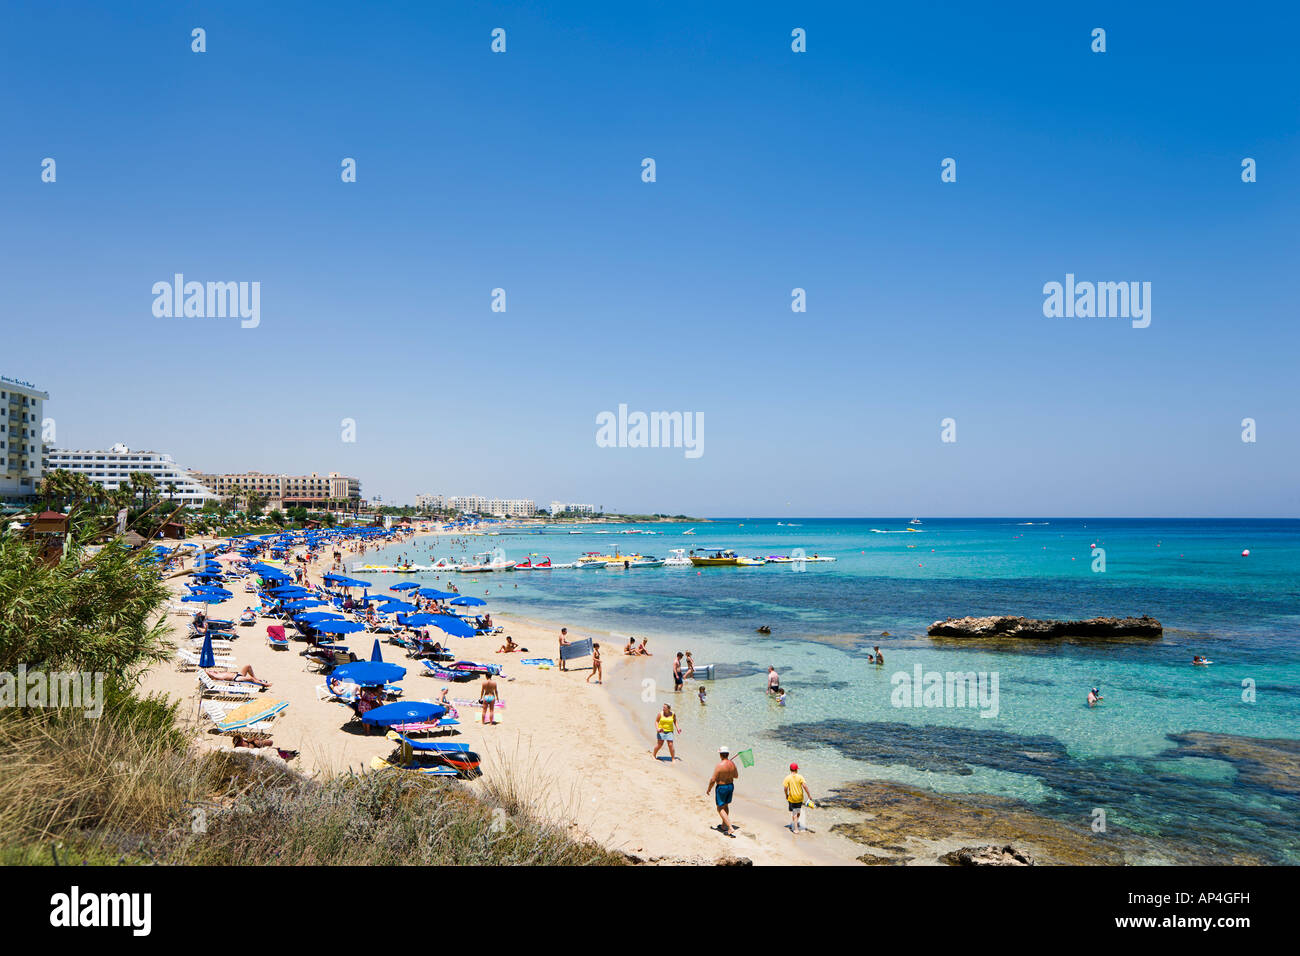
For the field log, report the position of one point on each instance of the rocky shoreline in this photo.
(1007, 626)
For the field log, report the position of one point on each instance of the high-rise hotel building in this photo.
(22, 450)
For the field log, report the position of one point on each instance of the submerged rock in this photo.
(988, 856)
(1024, 627)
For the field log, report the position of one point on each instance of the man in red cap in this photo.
(796, 795)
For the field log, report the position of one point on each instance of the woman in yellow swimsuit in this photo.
(666, 730)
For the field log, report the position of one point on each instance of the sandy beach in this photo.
(582, 749)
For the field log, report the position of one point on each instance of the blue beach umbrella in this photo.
(404, 586)
(317, 616)
(467, 601)
(299, 605)
(368, 673)
(435, 594)
(403, 712)
(395, 605)
(206, 657)
(452, 625)
(339, 627)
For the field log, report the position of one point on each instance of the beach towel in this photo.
(576, 649)
(539, 662)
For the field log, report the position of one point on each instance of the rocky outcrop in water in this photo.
(988, 856)
(1006, 626)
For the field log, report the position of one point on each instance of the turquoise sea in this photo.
(1131, 756)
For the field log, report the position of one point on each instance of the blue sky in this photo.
(775, 170)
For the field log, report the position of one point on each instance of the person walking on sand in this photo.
(677, 673)
(595, 665)
(723, 782)
(666, 730)
(487, 696)
(796, 795)
(564, 639)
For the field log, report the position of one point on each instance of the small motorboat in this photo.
(677, 559)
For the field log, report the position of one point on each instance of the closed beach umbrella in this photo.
(206, 657)
(403, 712)
(375, 654)
(368, 673)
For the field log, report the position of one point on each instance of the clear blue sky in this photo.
(775, 170)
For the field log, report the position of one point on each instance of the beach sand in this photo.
(572, 745)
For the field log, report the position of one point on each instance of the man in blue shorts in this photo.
(724, 780)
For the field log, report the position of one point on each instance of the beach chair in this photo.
(187, 660)
(216, 712)
(276, 637)
(227, 690)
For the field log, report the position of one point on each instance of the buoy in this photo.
(1246, 553)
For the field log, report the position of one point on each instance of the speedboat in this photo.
(915, 521)
(724, 557)
(744, 562)
(486, 562)
(677, 559)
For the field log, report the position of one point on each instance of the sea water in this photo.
(842, 719)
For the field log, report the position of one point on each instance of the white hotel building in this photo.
(479, 505)
(113, 468)
(21, 446)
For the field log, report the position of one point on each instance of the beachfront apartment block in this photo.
(479, 505)
(566, 508)
(114, 467)
(22, 446)
(430, 502)
(287, 490)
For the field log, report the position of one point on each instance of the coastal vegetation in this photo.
(131, 786)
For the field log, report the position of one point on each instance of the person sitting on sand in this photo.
(244, 675)
(509, 647)
(630, 649)
(640, 648)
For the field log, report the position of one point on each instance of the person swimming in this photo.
(1094, 697)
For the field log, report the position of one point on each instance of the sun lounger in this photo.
(276, 637)
(229, 690)
(190, 659)
(216, 713)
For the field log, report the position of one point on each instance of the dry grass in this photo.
(122, 791)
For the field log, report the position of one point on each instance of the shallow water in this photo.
(1041, 743)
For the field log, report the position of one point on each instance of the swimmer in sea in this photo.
(1198, 659)
(1093, 697)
